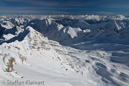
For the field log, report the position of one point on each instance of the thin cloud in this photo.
(18, 11)
(28, 11)
(117, 5)
(59, 12)
(16, 0)
(51, 2)
(35, 2)
(122, 6)
(105, 12)
(41, 3)
(64, 6)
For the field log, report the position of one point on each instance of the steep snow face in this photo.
(8, 36)
(42, 58)
(7, 25)
(41, 25)
(55, 31)
(80, 23)
(19, 21)
(72, 31)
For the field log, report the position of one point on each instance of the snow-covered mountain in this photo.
(64, 50)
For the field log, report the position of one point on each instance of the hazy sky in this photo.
(74, 7)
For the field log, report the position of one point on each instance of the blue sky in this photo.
(67, 7)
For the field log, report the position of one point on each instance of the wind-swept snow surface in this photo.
(85, 50)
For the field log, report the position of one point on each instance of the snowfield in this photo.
(64, 50)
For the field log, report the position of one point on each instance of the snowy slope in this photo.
(78, 54)
(80, 23)
(55, 31)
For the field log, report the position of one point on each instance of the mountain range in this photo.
(64, 50)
